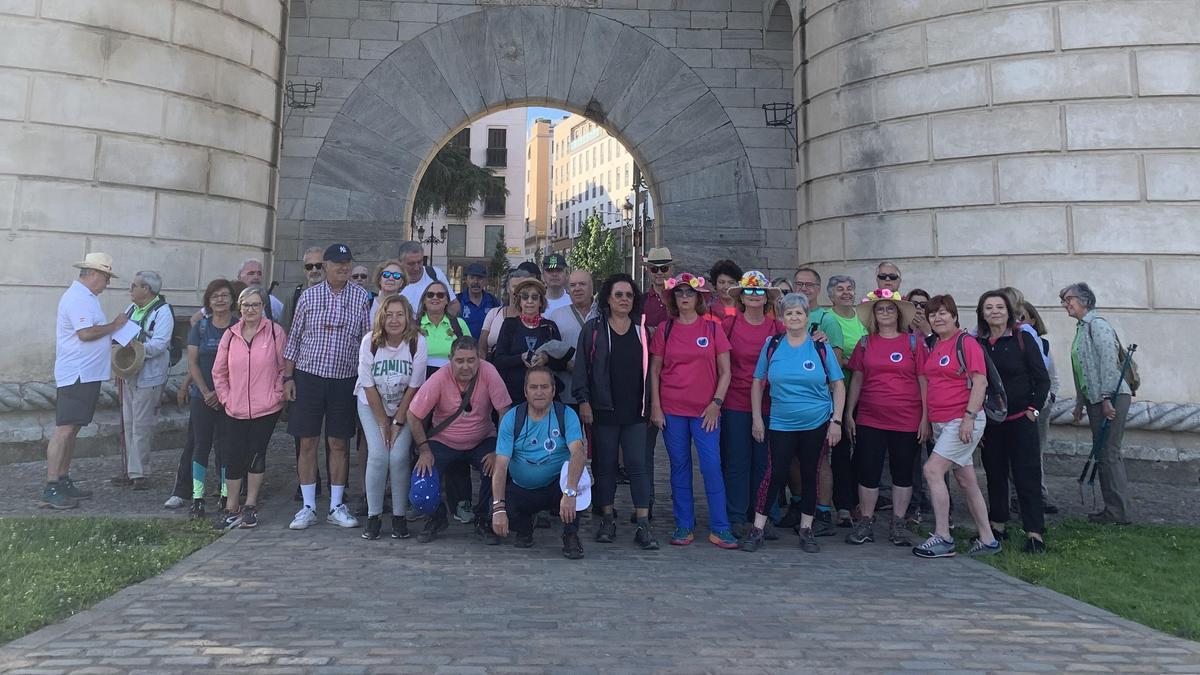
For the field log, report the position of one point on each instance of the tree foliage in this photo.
(595, 250)
(453, 184)
(499, 267)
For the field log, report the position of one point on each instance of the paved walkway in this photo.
(272, 600)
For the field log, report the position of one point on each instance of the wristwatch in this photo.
(571, 492)
(1036, 413)
(837, 422)
(718, 400)
(397, 423)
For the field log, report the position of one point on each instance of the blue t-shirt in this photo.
(537, 456)
(206, 338)
(474, 314)
(800, 398)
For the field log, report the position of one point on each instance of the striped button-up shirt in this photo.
(327, 328)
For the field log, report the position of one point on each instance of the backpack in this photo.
(773, 344)
(1132, 378)
(995, 400)
(560, 412)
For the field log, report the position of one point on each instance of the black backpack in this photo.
(995, 400)
(560, 412)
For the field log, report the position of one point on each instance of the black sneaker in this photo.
(196, 511)
(523, 540)
(572, 547)
(1034, 546)
(822, 524)
(808, 543)
(226, 520)
(752, 540)
(542, 520)
(644, 537)
(371, 531)
(606, 531)
(249, 518)
(791, 519)
(433, 527)
(487, 534)
(54, 498)
(70, 489)
(399, 527)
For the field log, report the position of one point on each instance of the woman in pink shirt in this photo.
(886, 410)
(744, 459)
(689, 376)
(248, 377)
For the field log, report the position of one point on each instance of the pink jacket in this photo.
(248, 376)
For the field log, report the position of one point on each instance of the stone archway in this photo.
(392, 124)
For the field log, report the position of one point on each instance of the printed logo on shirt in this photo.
(896, 357)
(702, 342)
(809, 365)
(944, 361)
(550, 445)
(554, 433)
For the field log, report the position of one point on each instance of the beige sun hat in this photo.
(101, 262)
(866, 309)
(127, 361)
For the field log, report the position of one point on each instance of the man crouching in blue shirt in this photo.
(534, 440)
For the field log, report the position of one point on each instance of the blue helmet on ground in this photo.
(425, 492)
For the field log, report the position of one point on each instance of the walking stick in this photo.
(1092, 465)
(121, 417)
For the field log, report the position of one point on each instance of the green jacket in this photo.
(1094, 357)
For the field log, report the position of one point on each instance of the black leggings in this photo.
(608, 440)
(871, 444)
(845, 480)
(246, 449)
(1014, 445)
(806, 447)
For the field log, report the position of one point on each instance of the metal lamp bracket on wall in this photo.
(783, 115)
(300, 95)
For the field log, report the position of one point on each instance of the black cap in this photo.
(476, 270)
(338, 253)
(531, 267)
(555, 261)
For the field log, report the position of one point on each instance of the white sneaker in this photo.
(173, 502)
(305, 518)
(341, 517)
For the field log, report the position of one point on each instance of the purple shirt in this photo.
(653, 309)
(327, 328)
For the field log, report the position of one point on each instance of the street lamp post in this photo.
(432, 241)
(627, 207)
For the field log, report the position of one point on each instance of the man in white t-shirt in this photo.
(418, 276)
(554, 274)
(82, 362)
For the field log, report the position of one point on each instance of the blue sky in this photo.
(553, 114)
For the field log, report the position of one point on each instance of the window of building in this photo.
(462, 139)
(494, 206)
(456, 240)
(497, 147)
(491, 235)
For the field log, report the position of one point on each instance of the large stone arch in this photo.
(394, 121)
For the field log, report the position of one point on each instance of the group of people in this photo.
(778, 396)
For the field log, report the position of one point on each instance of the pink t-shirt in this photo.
(441, 394)
(891, 397)
(745, 344)
(946, 389)
(689, 371)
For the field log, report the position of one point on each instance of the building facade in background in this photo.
(538, 176)
(494, 142)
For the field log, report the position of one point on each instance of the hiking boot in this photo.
(120, 481)
(249, 517)
(935, 547)
(644, 537)
(898, 534)
(54, 498)
(572, 547)
(822, 525)
(174, 502)
(487, 534)
(464, 512)
(723, 539)
(523, 540)
(433, 527)
(399, 527)
(752, 540)
(844, 519)
(371, 531)
(1034, 546)
(196, 510)
(70, 489)
(682, 536)
(864, 531)
(606, 531)
(808, 543)
(1105, 517)
(979, 549)
(226, 520)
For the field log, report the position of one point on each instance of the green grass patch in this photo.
(55, 567)
(1145, 573)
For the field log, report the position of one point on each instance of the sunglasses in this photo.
(623, 295)
(658, 269)
(359, 276)
(314, 266)
(754, 291)
(888, 277)
(918, 304)
(686, 291)
(392, 275)
(530, 296)
(435, 295)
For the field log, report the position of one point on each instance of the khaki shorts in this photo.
(947, 444)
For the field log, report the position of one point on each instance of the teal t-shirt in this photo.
(800, 398)
(537, 455)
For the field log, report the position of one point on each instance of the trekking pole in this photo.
(1092, 465)
(121, 418)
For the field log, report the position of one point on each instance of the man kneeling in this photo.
(534, 440)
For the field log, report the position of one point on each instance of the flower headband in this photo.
(882, 294)
(688, 278)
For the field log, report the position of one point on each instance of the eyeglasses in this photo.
(623, 295)
(888, 277)
(359, 276)
(252, 305)
(754, 291)
(1067, 300)
(391, 275)
(658, 269)
(308, 267)
(686, 291)
(807, 284)
(435, 295)
(530, 296)
(886, 308)
(220, 296)
(135, 285)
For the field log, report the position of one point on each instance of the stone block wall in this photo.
(146, 129)
(983, 143)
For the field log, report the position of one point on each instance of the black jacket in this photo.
(511, 346)
(592, 383)
(1021, 369)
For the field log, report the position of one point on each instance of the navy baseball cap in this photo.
(476, 270)
(338, 253)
